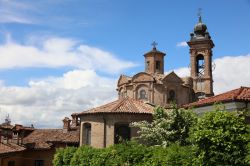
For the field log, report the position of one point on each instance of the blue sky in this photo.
(46, 44)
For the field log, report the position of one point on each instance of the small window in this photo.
(11, 163)
(171, 96)
(143, 94)
(39, 162)
(158, 65)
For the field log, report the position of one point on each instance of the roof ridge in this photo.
(118, 104)
(239, 93)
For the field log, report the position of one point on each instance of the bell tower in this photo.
(201, 54)
(154, 60)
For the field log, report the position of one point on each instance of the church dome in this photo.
(200, 28)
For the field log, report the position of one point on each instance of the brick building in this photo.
(27, 146)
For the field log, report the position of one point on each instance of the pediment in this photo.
(123, 80)
(142, 77)
(172, 78)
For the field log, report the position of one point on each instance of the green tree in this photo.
(63, 156)
(221, 138)
(168, 126)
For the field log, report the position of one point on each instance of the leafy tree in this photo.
(168, 126)
(63, 156)
(221, 138)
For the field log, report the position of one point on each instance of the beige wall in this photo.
(99, 130)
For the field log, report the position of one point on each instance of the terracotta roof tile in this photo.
(10, 147)
(240, 94)
(126, 105)
(42, 138)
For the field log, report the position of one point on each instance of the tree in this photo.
(221, 138)
(168, 126)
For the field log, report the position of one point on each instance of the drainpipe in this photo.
(104, 132)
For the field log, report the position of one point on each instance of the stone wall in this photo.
(103, 127)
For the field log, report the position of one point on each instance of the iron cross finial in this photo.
(154, 44)
(199, 12)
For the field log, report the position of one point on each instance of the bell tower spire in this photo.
(154, 60)
(201, 46)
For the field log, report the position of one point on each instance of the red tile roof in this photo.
(10, 147)
(43, 138)
(240, 94)
(125, 105)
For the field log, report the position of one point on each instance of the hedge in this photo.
(128, 153)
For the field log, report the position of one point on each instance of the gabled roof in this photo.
(125, 105)
(240, 94)
(172, 77)
(10, 148)
(44, 138)
(123, 80)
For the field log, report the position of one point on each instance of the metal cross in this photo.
(154, 44)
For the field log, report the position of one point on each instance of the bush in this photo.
(63, 156)
(221, 138)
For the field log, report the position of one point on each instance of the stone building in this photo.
(103, 126)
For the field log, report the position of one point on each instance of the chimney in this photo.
(74, 120)
(66, 124)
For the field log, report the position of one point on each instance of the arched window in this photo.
(200, 65)
(87, 133)
(142, 94)
(171, 96)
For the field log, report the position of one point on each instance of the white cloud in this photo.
(12, 11)
(230, 73)
(46, 102)
(182, 44)
(59, 52)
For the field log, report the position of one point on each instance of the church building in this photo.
(156, 87)
(137, 95)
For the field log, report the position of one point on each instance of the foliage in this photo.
(63, 156)
(168, 126)
(221, 138)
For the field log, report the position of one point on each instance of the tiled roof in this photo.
(43, 138)
(240, 94)
(10, 147)
(125, 105)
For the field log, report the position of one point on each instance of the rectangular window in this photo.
(39, 163)
(11, 163)
(157, 65)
